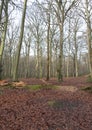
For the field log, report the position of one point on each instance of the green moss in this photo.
(89, 79)
(1, 92)
(33, 87)
(6, 87)
(49, 87)
(64, 103)
(51, 103)
(38, 87)
(88, 89)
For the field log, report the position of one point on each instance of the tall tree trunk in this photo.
(55, 59)
(50, 57)
(38, 59)
(89, 49)
(76, 60)
(89, 38)
(27, 59)
(15, 73)
(60, 66)
(41, 62)
(74, 73)
(48, 48)
(3, 35)
(61, 13)
(1, 9)
(68, 61)
(67, 66)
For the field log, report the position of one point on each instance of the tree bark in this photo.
(15, 73)
(48, 48)
(89, 38)
(76, 61)
(1, 9)
(68, 60)
(38, 59)
(3, 36)
(60, 66)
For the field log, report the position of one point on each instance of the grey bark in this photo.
(61, 16)
(1, 9)
(48, 47)
(89, 37)
(15, 73)
(2, 44)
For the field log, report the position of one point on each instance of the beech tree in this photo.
(63, 8)
(1, 9)
(54, 37)
(48, 46)
(88, 11)
(4, 6)
(15, 72)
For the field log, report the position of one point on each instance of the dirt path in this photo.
(68, 88)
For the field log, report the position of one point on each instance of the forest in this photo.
(45, 64)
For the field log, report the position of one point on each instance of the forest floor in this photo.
(63, 106)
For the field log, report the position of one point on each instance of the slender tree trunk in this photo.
(38, 58)
(48, 48)
(15, 73)
(50, 56)
(55, 59)
(67, 73)
(60, 66)
(40, 62)
(74, 73)
(76, 60)
(89, 49)
(3, 35)
(10, 62)
(1, 9)
(89, 38)
(68, 61)
(28, 58)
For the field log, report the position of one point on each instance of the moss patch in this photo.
(88, 89)
(29, 87)
(51, 103)
(6, 87)
(89, 79)
(38, 87)
(64, 104)
(33, 87)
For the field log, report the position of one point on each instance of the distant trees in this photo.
(37, 29)
(53, 43)
(86, 14)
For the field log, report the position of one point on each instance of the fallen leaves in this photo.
(45, 109)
